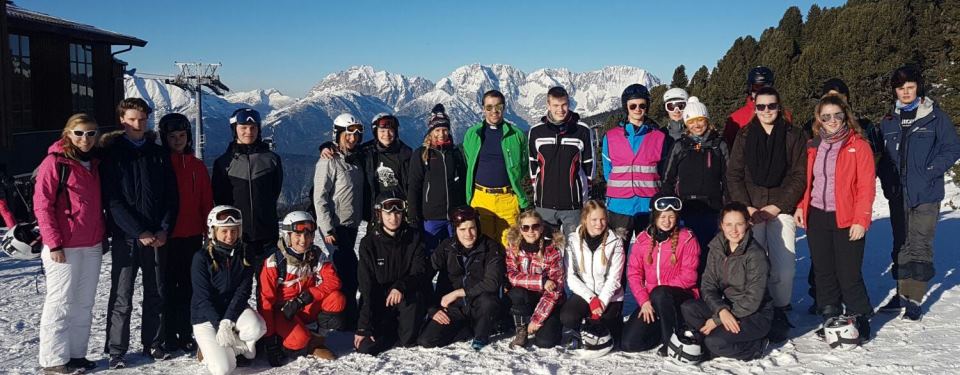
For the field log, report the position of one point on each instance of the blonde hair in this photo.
(514, 237)
(588, 208)
(674, 238)
(238, 246)
(70, 150)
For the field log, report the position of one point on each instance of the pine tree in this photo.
(698, 84)
(679, 77)
(656, 111)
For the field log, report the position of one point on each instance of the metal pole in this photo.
(198, 142)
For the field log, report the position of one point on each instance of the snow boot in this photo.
(570, 339)
(62, 369)
(317, 348)
(478, 344)
(780, 327)
(662, 352)
(912, 311)
(243, 361)
(274, 351)
(894, 306)
(863, 328)
(520, 339)
(116, 362)
(82, 363)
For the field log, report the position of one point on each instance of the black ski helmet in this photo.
(172, 122)
(634, 91)
(759, 75)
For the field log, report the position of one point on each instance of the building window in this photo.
(81, 77)
(21, 110)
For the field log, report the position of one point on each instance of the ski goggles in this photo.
(354, 129)
(392, 205)
(771, 106)
(300, 227)
(245, 116)
(668, 203)
(531, 227)
(84, 133)
(461, 214)
(229, 217)
(675, 106)
(386, 122)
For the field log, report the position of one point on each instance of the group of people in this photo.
(697, 225)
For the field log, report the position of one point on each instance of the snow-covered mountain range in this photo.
(299, 125)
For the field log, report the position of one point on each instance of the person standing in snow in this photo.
(836, 210)
(696, 171)
(471, 271)
(140, 188)
(734, 315)
(437, 175)
(920, 146)
(536, 274)
(225, 326)
(299, 286)
(595, 266)
(393, 281)
(386, 159)
(757, 78)
(767, 172)
(72, 227)
(249, 176)
(497, 168)
(196, 201)
(675, 101)
(338, 200)
(634, 160)
(662, 272)
(561, 162)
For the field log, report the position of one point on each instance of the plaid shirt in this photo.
(528, 271)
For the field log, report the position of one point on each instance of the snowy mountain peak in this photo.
(394, 89)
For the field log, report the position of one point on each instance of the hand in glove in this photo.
(293, 306)
(226, 336)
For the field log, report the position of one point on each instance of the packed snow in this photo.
(927, 347)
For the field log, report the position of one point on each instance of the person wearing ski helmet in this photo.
(386, 159)
(757, 78)
(634, 159)
(196, 200)
(225, 327)
(140, 188)
(662, 273)
(733, 316)
(836, 210)
(767, 172)
(338, 182)
(696, 171)
(497, 168)
(561, 162)
(393, 280)
(595, 260)
(920, 145)
(437, 174)
(536, 275)
(299, 286)
(249, 176)
(675, 101)
(470, 270)
(72, 231)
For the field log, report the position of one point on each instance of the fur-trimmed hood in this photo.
(107, 139)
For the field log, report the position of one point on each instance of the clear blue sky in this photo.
(291, 45)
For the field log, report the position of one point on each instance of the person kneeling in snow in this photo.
(225, 327)
(393, 278)
(298, 286)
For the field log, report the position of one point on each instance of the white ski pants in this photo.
(68, 305)
(222, 360)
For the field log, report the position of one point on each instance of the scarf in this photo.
(659, 235)
(908, 106)
(530, 247)
(593, 242)
(441, 144)
(766, 155)
(836, 136)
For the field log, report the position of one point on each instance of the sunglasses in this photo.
(771, 106)
(85, 133)
(300, 227)
(668, 203)
(229, 217)
(839, 116)
(676, 106)
(493, 108)
(635, 106)
(354, 129)
(392, 205)
(531, 227)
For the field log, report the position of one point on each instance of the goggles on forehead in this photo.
(668, 203)
(392, 205)
(228, 217)
(300, 227)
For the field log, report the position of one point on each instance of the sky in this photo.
(291, 45)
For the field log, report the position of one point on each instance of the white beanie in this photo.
(675, 94)
(694, 110)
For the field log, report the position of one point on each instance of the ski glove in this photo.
(293, 306)
(595, 304)
(226, 336)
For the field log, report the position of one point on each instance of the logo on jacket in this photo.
(387, 177)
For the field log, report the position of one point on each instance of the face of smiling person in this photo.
(492, 110)
(639, 111)
(698, 126)
(87, 138)
(558, 107)
(833, 123)
(767, 116)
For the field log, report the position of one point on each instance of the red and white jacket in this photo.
(314, 274)
(531, 271)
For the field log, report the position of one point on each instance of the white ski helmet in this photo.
(296, 221)
(675, 94)
(223, 216)
(685, 349)
(346, 122)
(841, 332)
(22, 242)
(595, 340)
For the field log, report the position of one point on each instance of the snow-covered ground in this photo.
(931, 346)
